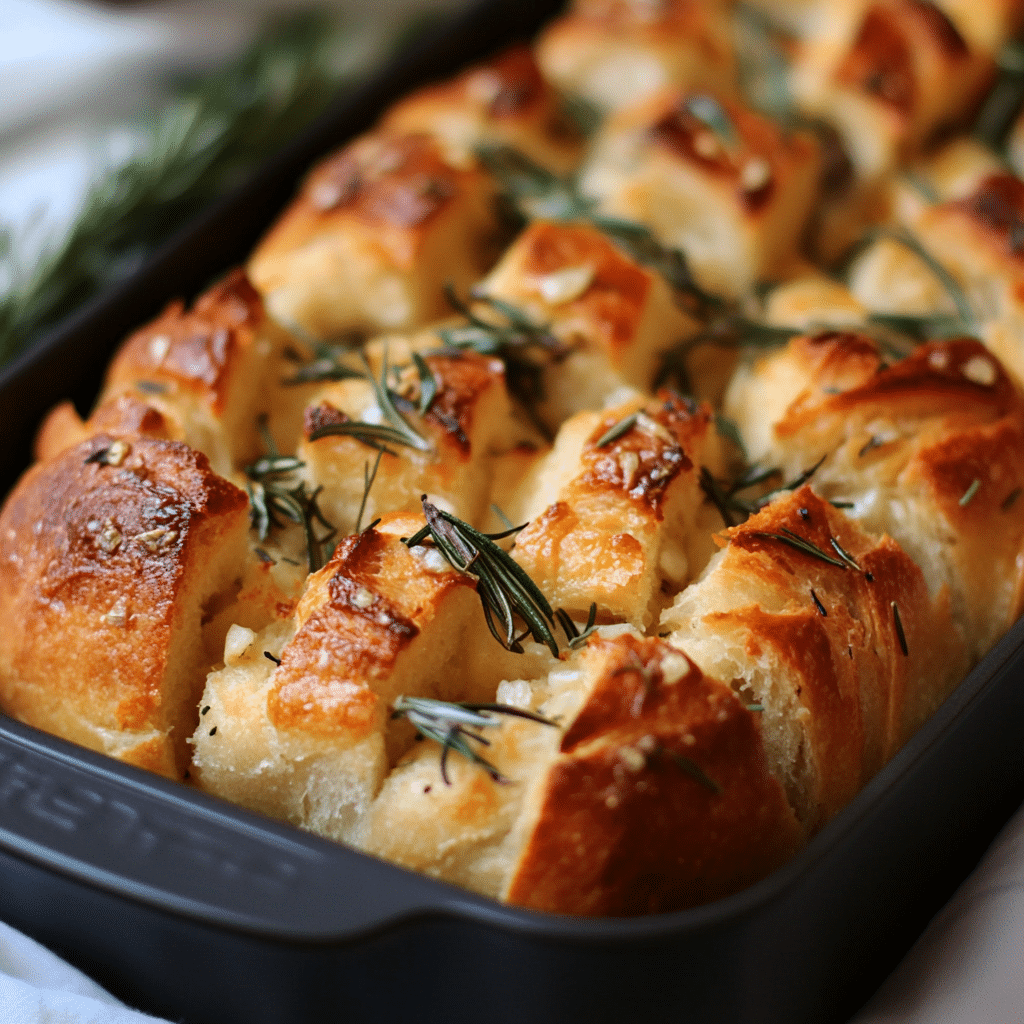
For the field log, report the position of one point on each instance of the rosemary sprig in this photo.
(794, 540)
(326, 365)
(504, 588)
(448, 723)
(965, 321)
(386, 402)
(213, 132)
(729, 329)
(535, 193)
(728, 501)
(694, 770)
(275, 495)
(523, 345)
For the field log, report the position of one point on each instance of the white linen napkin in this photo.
(37, 987)
(968, 966)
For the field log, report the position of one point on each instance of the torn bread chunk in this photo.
(709, 177)
(833, 633)
(113, 554)
(651, 794)
(614, 508)
(612, 317)
(446, 451)
(309, 740)
(889, 78)
(929, 450)
(505, 100)
(377, 231)
(613, 52)
(203, 375)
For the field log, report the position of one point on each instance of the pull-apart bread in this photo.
(598, 473)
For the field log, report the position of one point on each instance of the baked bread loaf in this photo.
(551, 515)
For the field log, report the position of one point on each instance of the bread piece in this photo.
(652, 796)
(847, 654)
(504, 100)
(376, 232)
(613, 317)
(929, 450)
(309, 740)
(734, 198)
(112, 555)
(614, 52)
(469, 420)
(616, 523)
(889, 78)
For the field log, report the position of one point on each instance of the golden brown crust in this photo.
(358, 248)
(105, 551)
(503, 100)
(613, 52)
(660, 798)
(833, 632)
(197, 350)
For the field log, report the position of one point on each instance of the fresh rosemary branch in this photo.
(727, 498)
(446, 723)
(214, 131)
(505, 590)
(276, 495)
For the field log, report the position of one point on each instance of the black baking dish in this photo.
(202, 912)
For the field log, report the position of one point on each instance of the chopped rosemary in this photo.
(822, 611)
(727, 500)
(728, 429)
(504, 588)
(898, 622)
(1011, 499)
(574, 637)
(755, 707)
(617, 430)
(446, 723)
(270, 657)
(968, 495)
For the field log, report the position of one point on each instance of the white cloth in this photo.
(37, 987)
(968, 966)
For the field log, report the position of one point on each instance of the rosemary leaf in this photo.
(969, 494)
(446, 723)
(617, 430)
(428, 384)
(794, 540)
(504, 587)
